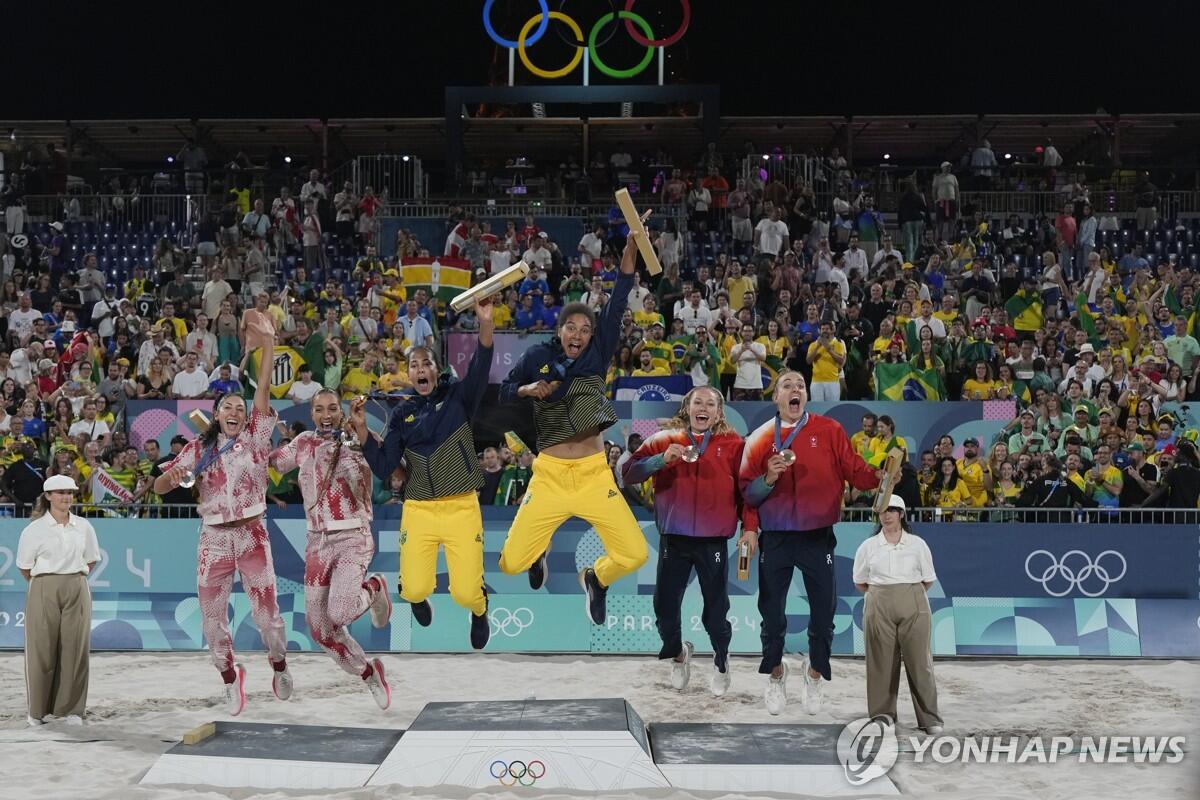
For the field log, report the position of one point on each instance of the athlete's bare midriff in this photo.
(581, 445)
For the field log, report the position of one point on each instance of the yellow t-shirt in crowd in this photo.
(978, 390)
(653, 372)
(737, 288)
(825, 369)
(179, 326)
(644, 319)
(880, 346)
(393, 381)
(502, 317)
(972, 476)
(358, 382)
(947, 317)
(778, 348)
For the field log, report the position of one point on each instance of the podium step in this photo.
(254, 754)
(585, 745)
(788, 759)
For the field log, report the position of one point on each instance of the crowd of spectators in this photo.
(758, 276)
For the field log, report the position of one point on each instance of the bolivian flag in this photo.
(905, 382)
(1025, 310)
(441, 277)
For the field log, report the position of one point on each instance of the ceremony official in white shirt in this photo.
(55, 553)
(894, 569)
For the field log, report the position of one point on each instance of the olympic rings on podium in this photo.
(637, 27)
(516, 772)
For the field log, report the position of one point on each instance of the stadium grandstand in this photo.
(1046, 262)
(267, 403)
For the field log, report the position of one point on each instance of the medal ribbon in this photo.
(702, 445)
(781, 445)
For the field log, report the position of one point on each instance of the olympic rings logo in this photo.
(512, 623)
(1070, 573)
(537, 25)
(515, 772)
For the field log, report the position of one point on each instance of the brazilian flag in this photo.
(1021, 393)
(1025, 310)
(877, 452)
(770, 373)
(1087, 320)
(679, 345)
(904, 382)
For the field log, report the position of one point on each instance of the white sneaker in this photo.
(812, 688)
(719, 683)
(281, 682)
(235, 693)
(74, 719)
(776, 694)
(934, 730)
(33, 723)
(381, 603)
(681, 671)
(378, 685)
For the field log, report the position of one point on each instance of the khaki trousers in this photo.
(896, 627)
(58, 630)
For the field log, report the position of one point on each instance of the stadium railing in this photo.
(999, 516)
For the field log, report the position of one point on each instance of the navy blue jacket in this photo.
(433, 435)
(580, 402)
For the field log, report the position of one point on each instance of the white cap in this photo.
(59, 483)
(896, 501)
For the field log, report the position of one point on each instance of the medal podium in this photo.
(594, 745)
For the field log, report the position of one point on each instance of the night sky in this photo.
(214, 59)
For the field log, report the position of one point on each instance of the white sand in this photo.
(141, 703)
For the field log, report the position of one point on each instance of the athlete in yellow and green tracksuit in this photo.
(430, 436)
(571, 478)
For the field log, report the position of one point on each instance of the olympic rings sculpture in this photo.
(516, 772)
(635, 25)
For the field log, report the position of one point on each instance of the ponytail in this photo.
(40, 506)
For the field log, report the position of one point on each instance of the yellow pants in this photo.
(564, 488)
(456, 524)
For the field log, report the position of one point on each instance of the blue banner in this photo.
(1087, 592)
(666, 388)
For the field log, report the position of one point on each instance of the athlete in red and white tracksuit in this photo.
(229, 463)
(335, 482)
(233, 537)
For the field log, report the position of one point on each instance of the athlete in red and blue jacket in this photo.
(794, 467)
(694, 464)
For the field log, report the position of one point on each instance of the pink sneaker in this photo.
(235, 693)
(381, 601)
(378, 685)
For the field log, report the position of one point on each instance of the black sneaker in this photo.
(539, 571)
(422, 612)
(481, 628)
(596, 594)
